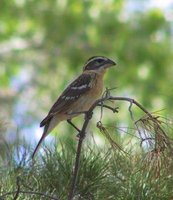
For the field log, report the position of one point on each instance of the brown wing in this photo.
(73, 92)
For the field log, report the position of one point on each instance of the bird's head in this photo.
(98, 63)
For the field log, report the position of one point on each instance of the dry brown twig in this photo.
(30, 193)
(158, 141)
(106, 133)
(19, 191)
(161, 138)
(149, 124)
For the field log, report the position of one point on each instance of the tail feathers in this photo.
(39, 143)
(46, 120)
(47, 129)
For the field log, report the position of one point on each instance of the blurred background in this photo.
(44, 44)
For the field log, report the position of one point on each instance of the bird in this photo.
(78, 96)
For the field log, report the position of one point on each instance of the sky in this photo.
(162, 4)
(132, 5)
(139, 5)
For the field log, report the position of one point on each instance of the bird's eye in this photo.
(99, 60)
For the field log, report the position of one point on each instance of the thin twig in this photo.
(29, 192)
(18, 192)
(114, 110)
(78, 153)
(105, 132)
(82, 133)
(130, 110)
(18, 188)
(105, 94)
(132, 101)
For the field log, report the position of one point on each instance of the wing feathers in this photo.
(73, 92)
(45, 120)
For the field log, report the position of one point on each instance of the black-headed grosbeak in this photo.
(79, 96)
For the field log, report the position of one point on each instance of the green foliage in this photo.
(45, 43)
(104, 174)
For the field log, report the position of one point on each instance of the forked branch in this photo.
(82, 133)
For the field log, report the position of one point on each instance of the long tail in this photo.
(39, 143)
(47, 129)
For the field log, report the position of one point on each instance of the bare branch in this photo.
(18, 192)
(130, 110)
(82, 133)
(78, 153)
(105, 132)
(114, 110)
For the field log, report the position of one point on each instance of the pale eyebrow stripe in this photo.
(94, 59)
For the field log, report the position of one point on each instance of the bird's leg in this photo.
(70, 122)
(87, 116)
(74, 126)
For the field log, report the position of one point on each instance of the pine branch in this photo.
(88, 117)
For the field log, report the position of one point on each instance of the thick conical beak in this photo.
(109, 63)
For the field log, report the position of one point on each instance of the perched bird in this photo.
(79, 96)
